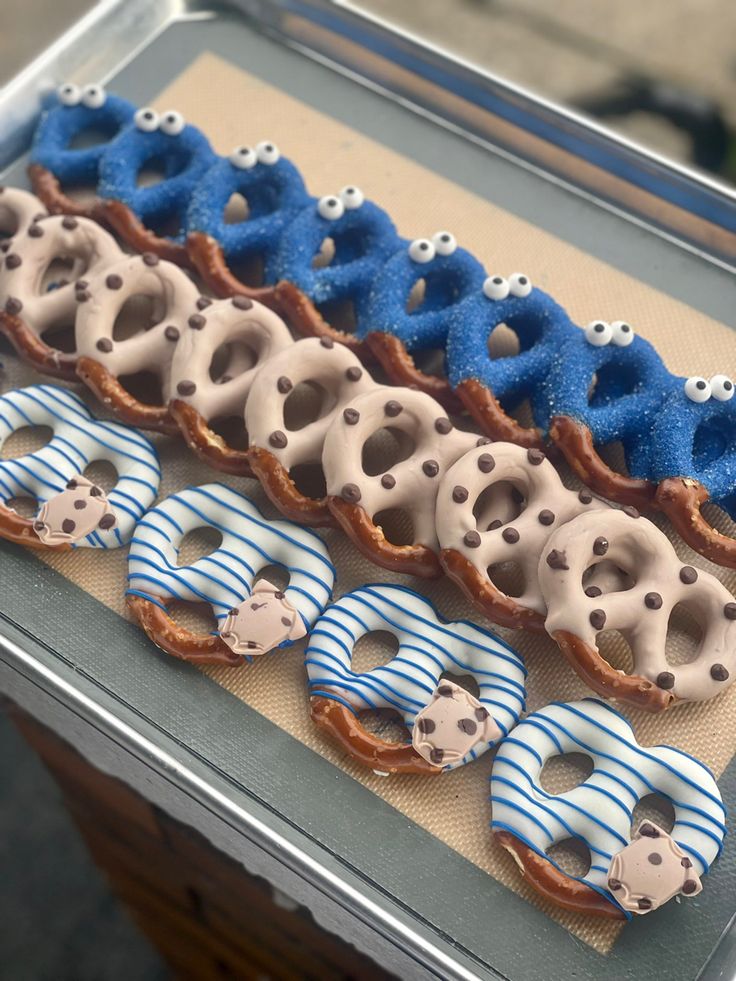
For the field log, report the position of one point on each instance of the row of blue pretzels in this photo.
(604, 376)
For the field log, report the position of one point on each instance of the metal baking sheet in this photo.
(444, 913)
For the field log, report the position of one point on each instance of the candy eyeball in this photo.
(598, 333)
(697, 389)
(172, 123)
(146, 120)
(444, 243)
(519, 284)
(622, 332)
(496, 287)
(721, 388)
(93, 96)
(69, 94)
(243, 157)
(330, 207)
(267, 153)
(352, 197)
(421, 250)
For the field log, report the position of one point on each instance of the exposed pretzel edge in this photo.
(176, 640)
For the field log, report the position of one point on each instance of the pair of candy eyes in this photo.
(599, 333)
(148, 120)
(92, 96)
(720, 387)
(333, 206)
(498, 288)
(425, 249)
(246, 157)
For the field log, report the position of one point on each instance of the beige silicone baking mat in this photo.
(233, 107)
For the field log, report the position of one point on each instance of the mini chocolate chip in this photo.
(186, 388)
(392, 408)
(431, 468)
(719, 672)
(585, 497)
(104, 344)
(150, 259)
(203, 302)
(483, 441)
(436, 755)
(351, 493)
(631, 511)
(68, 526)
(614, 884)
(686, 863)
(535, 456)
(510, 535)
(286, 621)
(327, 342)
(284, 384)
(688, 575)
(426, 726)
(279, 595)
(72, 484)
(557, 559)
(729, 611)
(653, 601)
(80, 504)
(597, 619)
(35, 231)
(252, 645)
(689, 887)
(445, 691)
(107, 521)
(351, 416)
(468, 726)
(546, 517)
(388, 481)
(277, 439)
(486, 463)
(81, 284)
(443, 425)
(472, 539)
(644, 903)
(459, 494)
(666, 680)
(81, 296)
(242, 302)
(69, 222)
(354, 374)
(13, 306)
(655, 858)
(171, 333)
(593, 591)
(481, 714)
(114, 282)
(496, 523)
(600, 546)
(13, 261)
(196, 321)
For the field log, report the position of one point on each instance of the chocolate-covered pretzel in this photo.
(359, 491)
(280, 440)
(632, 871)
(213, 369)
(108, 355)
(252, 615)
(449, 726)
(639, 609)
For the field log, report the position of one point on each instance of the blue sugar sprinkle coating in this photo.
(448, 281)
(541, 326)
(630, 385)
(61, 124)
(697, 440)
(363, 239)
(184, 158)
(275, 195)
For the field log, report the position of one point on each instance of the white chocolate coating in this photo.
(18, 209)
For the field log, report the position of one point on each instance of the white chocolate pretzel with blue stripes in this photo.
(74, 512)
(632, 870)
(448, 725)
(253, 617)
